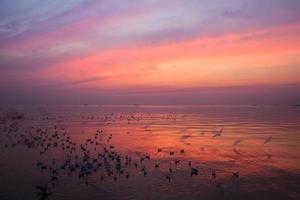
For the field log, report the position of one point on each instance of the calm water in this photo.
(63, 147)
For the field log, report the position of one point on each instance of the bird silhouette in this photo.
(43, 192)
(268, 139)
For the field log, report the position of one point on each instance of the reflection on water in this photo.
(150, 152)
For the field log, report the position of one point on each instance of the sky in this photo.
(150, 52)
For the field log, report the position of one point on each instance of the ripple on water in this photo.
(267, 170)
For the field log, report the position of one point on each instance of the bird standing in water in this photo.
(43, 192)
(194, 171)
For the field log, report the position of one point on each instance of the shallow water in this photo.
(261, 143)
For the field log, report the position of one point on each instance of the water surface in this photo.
(259, 143)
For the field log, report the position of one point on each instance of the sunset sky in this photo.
(150, 51)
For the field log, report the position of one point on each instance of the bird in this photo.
(43, 192)
(218, 133)
(213, 173)
(127, 175)
(101, 178)
(236, 142)
(145, 173)
(236, 151)
(194, 171)
(168, 177)
(96, 154)
(236, 174)
(268, 139)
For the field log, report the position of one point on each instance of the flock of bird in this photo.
(95, 154)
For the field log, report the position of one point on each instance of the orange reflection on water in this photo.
(261, 143)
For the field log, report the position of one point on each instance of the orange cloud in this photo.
(255, 57)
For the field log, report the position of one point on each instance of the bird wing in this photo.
(41, 188)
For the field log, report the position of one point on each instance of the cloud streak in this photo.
(91, 45)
